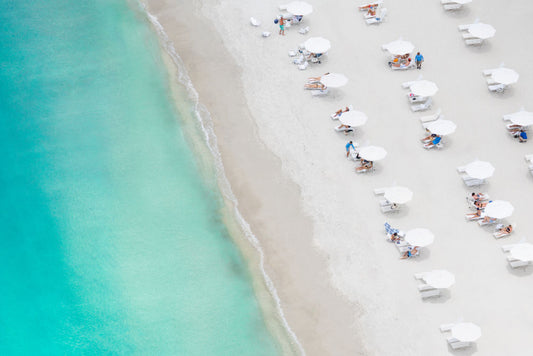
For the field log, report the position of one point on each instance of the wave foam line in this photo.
(204, 118)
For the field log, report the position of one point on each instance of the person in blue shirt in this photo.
(523, 136)
(348, 146)
(419, 59)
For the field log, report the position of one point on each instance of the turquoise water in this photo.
(111, 242)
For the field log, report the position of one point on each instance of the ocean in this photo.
(112, 238)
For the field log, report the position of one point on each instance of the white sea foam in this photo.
(205, 121)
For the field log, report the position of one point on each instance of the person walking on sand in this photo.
(282, 26)
(419, 59)
(348, 146)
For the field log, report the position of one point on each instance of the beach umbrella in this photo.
(399, 47)
(499, 209)
(522, 118)
(424, 88)
(419, 237)
(334, 80)
(481, 30)
(522, 252)
(442, 127)
(439, 278)
(466, 332)
(317, 45)
(353, 118)
(372, 153)
(299, 8)
(398, 195)
(505, 76)
(479, 169)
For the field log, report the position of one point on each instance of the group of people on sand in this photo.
(365, 165)
(411, 250)
(282, 21)
(479, 201)
(404, 61)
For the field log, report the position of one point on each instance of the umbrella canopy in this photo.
(479, 169)
(505, 76)
(353, 118)
(317, 45)
(419, 237)
(439, 278)
(481, 30)
(399, 47)
(398, 195)
(334, 80)
(522, 118)
(522, 252)
(499, 209)
(372, 153)
(442, 127)
(424, 88)
(299, 8)
(466, 332)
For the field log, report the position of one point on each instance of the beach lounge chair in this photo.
(429, 118)
(344, 129)
(446, 327)
(488, 72)
(449, 7)
(390, 230)
(474, 42)
(303, 30)
(470, 217)
(365, 170)
(377, 19)
(529, 158)
(499, 234)
(464, 27)
(423, 106)
(390, 208)
(430, 293)
(456, 344)
(254, 22)
(500, 88)
(472, 182)
(518, 263)
(416, 98)
(468, 36)
(487, 222)
(379, 191)
(320, 92)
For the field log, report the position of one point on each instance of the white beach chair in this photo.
(507, 248)
(446, 327)
(430, 293)
(500, 88)
(255, 22)
(265, 34)
(377, 19)
(304, 66)
(518, 263)
(468, 36)
(488, 72)
(474, 218)
(474, 42)
(489, 222)
(320, 92)
(303, 30)
(529, 158)
(499, 235)
(472, 182)
(428, 118)
(416, 98)
(456, 344)
(452, 7)
(390, 208)
(408, 84)
(379, 191)
(464, 27)
(423, 106)
(346, 130)
(424, 287)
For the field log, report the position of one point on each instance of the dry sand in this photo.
(343, 288)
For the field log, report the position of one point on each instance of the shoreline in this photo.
(292, 301)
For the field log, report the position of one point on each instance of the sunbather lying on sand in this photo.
(474, 216)
(410, 252)
(315, 79)
(479, 204)
(400, 64)
(428, 138)
(489, 220)
(315, 86)
(478, 197)
(506, 230)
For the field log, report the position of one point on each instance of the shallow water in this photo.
(111, 240)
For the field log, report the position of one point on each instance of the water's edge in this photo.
(202, 132)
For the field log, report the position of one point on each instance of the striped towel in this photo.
(390, 230)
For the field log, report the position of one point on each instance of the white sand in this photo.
(389, 318)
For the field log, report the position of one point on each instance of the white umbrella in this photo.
(505, 76)
(466, 332)
(419, 237)
(439, 278)
(499, 209)
(479, 169)
(372, 153)
(442, 127)
(317, 45)
(353, 118)
(522, 118)
(522, 252)
(399, 47)
(424, 88)
(481, 30)
(299, 8)
(398, 195)
(334, 80)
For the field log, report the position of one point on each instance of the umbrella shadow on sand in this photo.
(520, 271)
(485, 47)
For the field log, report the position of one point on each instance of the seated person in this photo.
(428, 138)
(371, 11)
(395, 237)
(315, 86)
(365, 165)
(478, 197)
(410, 252)
(522, 136)
(433, 143)
(368, 6)
(296, 19)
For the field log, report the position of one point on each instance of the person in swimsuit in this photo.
(282, 26)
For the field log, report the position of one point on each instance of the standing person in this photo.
(348, 146)
(282, 26)
(419, 59)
